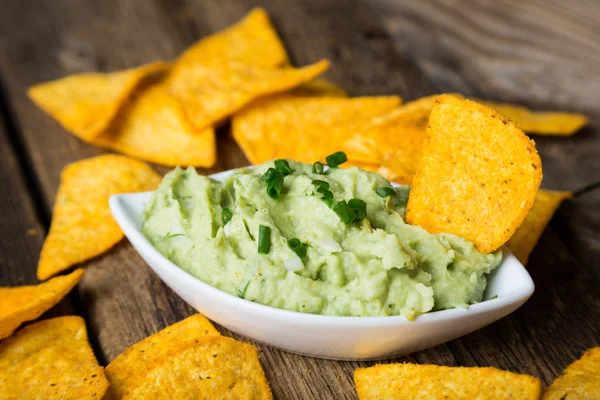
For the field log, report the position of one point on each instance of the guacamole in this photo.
(331, 243)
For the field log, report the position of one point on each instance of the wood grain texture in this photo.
(123, 301)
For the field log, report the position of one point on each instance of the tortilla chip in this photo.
(527, 235)
(303, 128)
(211, 92)
(319, 87)
(50, 359)
(478, 176)
(26, 303)
(253, 40)
(155, 129)
(394, 140)
(411, 381)
(212, 368)
(123, 369)
(82, 225)
(580, 381)
(540, 122)
(86, 104)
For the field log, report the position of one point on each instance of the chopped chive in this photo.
(297, 247)
(359, 207)
(343, 210)
(320, 184)
(226, 215)
(170, 235)
(242, 293)
(385, 191)
(328, 201)
(495, 297)
(336, 159)
(318, 168)
(284, 167)
(274, 179)
(264, 239)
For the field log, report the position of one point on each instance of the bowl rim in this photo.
(137, 239)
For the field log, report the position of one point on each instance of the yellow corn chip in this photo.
(212, 368)
(252, 40)
(26, 303)
(416, 382)
(123, 369)
(50, 359)
(527, 235)
(155, 129)
(86, 104)
(394, 140)
(82, 225)
(580, 381)
(209, 93)
(478, 175)
(303, 128)
(319, 87)
(541, 122)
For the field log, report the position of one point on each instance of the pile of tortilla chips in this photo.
(188, 360)
(166, 113)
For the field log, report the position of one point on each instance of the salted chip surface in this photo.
(412, 381)
(155, 129)
(580, 381)
(541, 122)
(393, 140)
(126, 367)
(213, 368)
(86, 104)
(82, 225)
(50, 359)
(211, 92)
(305, 129)
(527, 235)
(319, 87)
(26, 303)
(253, 40)
(478, 176)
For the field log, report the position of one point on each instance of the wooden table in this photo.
(544, 54)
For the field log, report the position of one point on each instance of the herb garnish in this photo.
(242, 293)
(284, 167)
(297, 247)
(226, 215)
(318, 168)
(336, 159)
(172, 235)
(385, 191)
(264, 239)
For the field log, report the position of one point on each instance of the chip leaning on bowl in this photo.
(334, 243)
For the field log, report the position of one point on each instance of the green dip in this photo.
(374, 267)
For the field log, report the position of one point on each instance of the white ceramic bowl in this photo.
(333, 337)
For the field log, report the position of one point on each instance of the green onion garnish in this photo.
(274, 180)
(343, 210)
(318, 168)
(284, 167)
(328, 201)
(359, 207)
(336, 159)
(385, 191)
(321, 185)
(226, 215)
(264, 239)
(297, 247)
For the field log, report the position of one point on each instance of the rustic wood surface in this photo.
(541, 54)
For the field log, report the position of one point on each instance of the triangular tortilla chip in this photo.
(213, 367)
(123, 370)
(211, 92)
(540, 122)
(319, 87)
(252, 40)
(302, 128)
(478, 176)
(51, 359)
(86, 104)
(26, 303)
(527, 235)
(154, 128)
(580, 381)
(82, 225)
(411, 381)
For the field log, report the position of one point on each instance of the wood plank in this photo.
(540, 53)
(125, 301)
